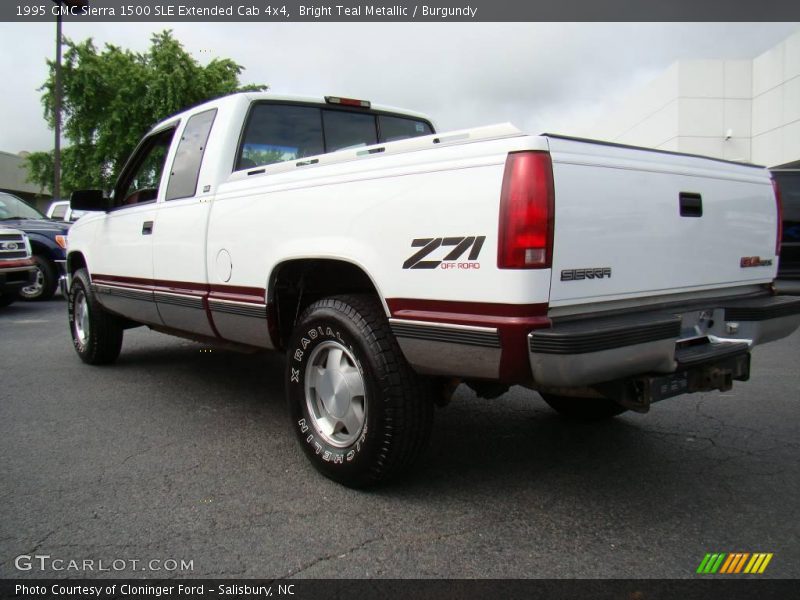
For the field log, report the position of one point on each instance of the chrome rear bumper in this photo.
(589, 351)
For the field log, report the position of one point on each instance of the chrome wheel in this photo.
(35, 289)
(81, 317)
(335, 395)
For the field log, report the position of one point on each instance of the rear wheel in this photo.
(96, 333)
(359, 411)
(46, 282)
(583, 409)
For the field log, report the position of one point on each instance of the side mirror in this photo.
(88, 200)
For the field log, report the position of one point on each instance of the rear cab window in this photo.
(277, 132)
(345, 130)
(189, 155)
(400, 128)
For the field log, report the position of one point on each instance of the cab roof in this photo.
(256, 96)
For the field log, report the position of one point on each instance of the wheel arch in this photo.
(295, 283)
(76, 260)
(43, 246)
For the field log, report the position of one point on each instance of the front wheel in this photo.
(96, 334)
(583, 409)
(359, 411)
(46, 282)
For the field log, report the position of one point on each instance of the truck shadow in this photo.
(514, 443)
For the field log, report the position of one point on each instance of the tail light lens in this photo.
(525, 237)
(779, 207)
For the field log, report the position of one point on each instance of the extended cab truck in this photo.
(389, 262)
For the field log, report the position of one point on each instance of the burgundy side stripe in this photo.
(486, 314)
(236, 293)
(513, 322)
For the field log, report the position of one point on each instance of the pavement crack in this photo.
(36, 546)
(146, 450)
(331, 556)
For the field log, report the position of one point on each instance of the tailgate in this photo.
(634, 223)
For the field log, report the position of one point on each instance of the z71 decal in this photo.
(452, 259)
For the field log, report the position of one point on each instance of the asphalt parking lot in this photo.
(179, 453)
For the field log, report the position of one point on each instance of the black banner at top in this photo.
(399, 10)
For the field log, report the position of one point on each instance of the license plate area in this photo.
(639, 393)
(705, 377)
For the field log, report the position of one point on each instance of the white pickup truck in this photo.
(390, 262)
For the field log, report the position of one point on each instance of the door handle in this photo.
(691, 204)
(147, 228)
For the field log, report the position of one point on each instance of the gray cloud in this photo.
(540, 76)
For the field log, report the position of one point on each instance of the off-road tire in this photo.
(97, 334)
(397, 403)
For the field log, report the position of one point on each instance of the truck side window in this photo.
(142, 176)
(189, 156)
(398, 128)
(345, 129)
(275, 133)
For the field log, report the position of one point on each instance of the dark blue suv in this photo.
(48, 243)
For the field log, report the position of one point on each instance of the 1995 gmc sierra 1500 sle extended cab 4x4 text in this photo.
(389, 262)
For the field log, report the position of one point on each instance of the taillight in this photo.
(779, 207)
(525, 237)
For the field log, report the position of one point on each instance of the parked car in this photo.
(17, 269)
(48, 241)
(60, 210)
(788, 183)
(605, 277)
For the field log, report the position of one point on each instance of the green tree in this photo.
(112, 97)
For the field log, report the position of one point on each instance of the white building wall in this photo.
(776, 103)
(747, 110)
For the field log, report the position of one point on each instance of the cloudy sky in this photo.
(539, 76)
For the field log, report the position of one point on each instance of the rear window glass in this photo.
(276, 133)
(279, 132)
(348, 130)
(398, 128)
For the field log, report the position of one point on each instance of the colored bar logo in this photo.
(732, 563)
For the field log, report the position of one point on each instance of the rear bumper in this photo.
(596, 350)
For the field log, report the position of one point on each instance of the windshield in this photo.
(12, 207)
